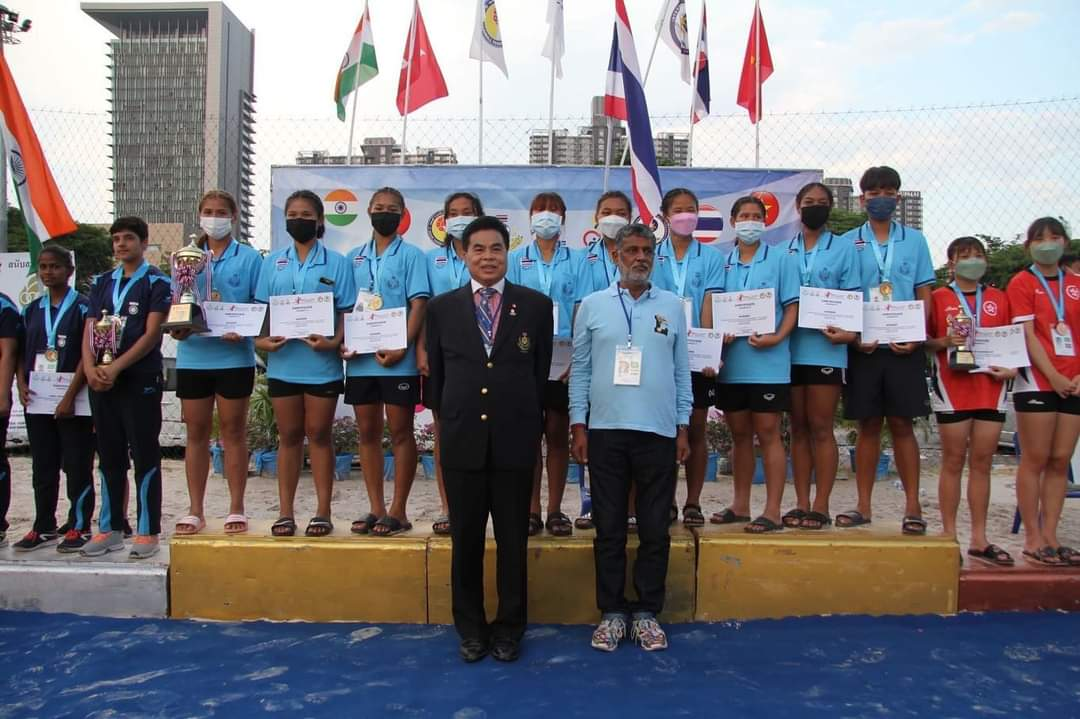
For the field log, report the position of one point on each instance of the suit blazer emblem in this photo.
(523, 342)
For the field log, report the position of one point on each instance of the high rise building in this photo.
(672, 148)
(909, 208)
(843, 192)
(183, 110)
(585, 148)
(381, 151)
(910, 211)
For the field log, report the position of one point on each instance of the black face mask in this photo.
(815, 216)
(385, 223)
(301, 229)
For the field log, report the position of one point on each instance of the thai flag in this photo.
(624, 99)
(701, 74)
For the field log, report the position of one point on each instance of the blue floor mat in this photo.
(964, 666)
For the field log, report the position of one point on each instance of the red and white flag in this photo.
(421, 79)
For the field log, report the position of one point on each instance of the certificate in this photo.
(706, 348)
(887, 322)
(820, 308)
(369, 331)
(245, 320)
(745, 313)
(296, 316)
(562, 349)
(48, 388)
(1003, 347)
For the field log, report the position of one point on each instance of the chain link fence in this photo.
(983, 169)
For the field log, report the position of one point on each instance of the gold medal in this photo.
(375, 303)
(885, 288)
(1062, 328)
(51, 355)
(215, 296)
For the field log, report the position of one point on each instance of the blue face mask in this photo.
(455, 226)
(880, 208)
(750, 231)
(546, 225)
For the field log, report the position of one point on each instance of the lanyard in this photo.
(629, 321)
(807, 268)
(884, 263)
(733, 260)
(50, 326)
(541, 268)
(118, 273)
(601, 249)
(215, 261)
(373, 258)
(457, 265)
(964, 305)
(1059, 305)
(299, 270)
(679, 275)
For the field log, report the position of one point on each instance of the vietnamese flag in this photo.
(421, 79)
(757, 67)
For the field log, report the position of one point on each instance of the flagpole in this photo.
(607, 152)
(551, 112)
(480, 152)
(644, 81)
(352, 125)
(757, 83)
(408, 80)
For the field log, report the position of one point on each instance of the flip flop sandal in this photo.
(1045, 556)
(191, 520)
(558, 525)
(584, 521)
(390, 527)
(728, 516)
(819, 521)
(1069, 555)
(692, 516)
(319, 527)
(913, 526)
(794, 517)
(853, 518)
(441, 525)
(992, 554)
(631, 525)
(536, 524)
(236, 519)
(284, 527)
(762, 525)
(364, 524)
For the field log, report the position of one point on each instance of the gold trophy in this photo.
(186, 312)
(962, 358)
(105, 338)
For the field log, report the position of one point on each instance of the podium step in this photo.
(1024, 587)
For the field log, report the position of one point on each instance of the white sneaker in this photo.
(647, 632)
(609, 633)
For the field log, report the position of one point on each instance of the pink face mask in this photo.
(683, 223)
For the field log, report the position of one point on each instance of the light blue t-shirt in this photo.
(598, 270)
(831, 265)
(525, 267)
(445, 270)
(911, 265)
(234, 277)
(399, 276)
(701, 270)
(323, 271)
(662, 400)
(770, 267)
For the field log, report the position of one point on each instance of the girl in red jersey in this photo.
(970, 406)
(1047, 301)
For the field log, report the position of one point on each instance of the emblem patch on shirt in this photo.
(526, 263)
(440, 262)
(133, 308)
(661, 325)
(234, 279)
(593, 258)
(281, 263)
(1073, 292)
(523, 342)
(990, 308)
(393, 282)
(358, 260)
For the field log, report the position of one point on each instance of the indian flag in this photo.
(43, 208)
(359, 64)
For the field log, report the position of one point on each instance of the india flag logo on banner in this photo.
(341, 207)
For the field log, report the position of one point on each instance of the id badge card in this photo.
(554, 318)
(1063, 340)
(875, 295)
(628, 366)
(688, 310)
(45, 361)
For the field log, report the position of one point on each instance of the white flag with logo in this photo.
(555, 45)
(671, 25)
(487, 38)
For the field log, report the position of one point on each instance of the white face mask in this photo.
(610, 224)
(216, 228)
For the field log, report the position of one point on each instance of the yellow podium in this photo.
(835, 571)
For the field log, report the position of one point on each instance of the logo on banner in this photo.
(491, 24)
(590, 236)
(710, 224)
(406, 221)
(659, 227)
(772, 205)
(436, 229)
(341, 207)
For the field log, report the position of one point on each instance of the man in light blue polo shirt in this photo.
(388, 274)
(630, 378)
(887, 383)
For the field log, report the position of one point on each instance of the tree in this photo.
(90, 243)
(1003, 260)
(841, 221)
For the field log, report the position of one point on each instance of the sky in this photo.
(830, 55)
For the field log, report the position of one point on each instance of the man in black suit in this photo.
(489, 353)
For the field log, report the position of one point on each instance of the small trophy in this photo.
(105, 338)
(186, 312)
(962, 358)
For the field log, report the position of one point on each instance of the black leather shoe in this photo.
(506, 650)
(473, 650)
